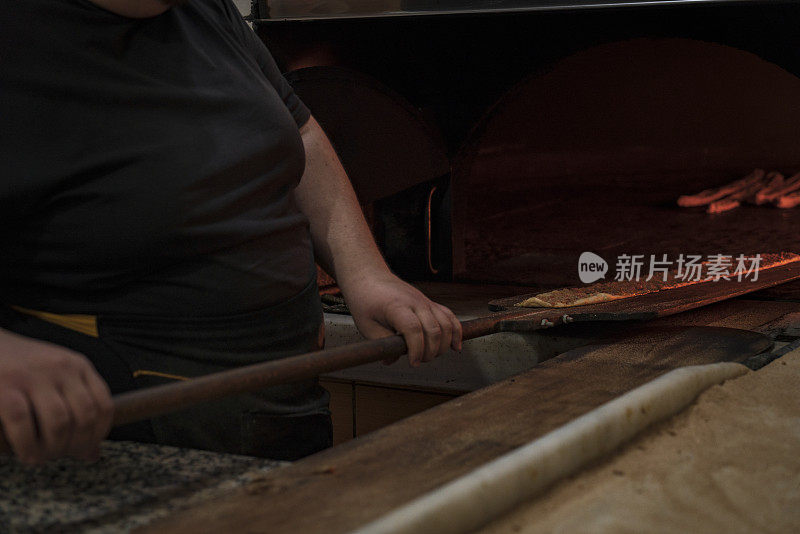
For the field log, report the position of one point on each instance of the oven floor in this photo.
(540, 245)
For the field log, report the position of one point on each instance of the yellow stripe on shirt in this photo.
(87, 324)
(145, 372)
(84, 324)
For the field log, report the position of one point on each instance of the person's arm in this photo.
(52, 401)
(380, 302)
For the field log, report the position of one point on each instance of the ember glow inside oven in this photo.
(493, 148)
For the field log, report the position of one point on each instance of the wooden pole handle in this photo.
(146, 403)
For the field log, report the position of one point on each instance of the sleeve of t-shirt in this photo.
(266, 62)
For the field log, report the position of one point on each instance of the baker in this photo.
(164, 194)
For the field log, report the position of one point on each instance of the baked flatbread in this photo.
(704, 198)
(609, 291)
(755, 188)
(775, 183)
(788, 187)
(787, 201)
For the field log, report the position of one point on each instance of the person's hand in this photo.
(383, 305)
(52, 401)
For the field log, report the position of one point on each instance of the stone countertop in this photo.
(131, 485)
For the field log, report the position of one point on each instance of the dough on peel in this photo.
(608, 291)
(536, 302)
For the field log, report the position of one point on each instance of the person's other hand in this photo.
(384, 305)
(52, 401)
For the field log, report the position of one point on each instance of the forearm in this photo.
(342, 240)
(381, 303)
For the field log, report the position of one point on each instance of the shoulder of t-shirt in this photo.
(226, 10)
(228, 13)
(230, 10)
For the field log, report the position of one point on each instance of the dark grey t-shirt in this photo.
(148, 166)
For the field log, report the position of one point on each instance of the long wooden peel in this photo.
(151, 402)
(146, 403)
